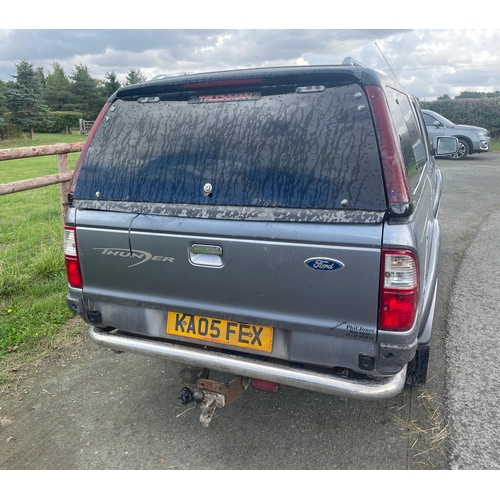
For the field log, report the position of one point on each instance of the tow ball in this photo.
(210, 394)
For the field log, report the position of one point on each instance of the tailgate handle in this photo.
(206, 249)
(205, 255)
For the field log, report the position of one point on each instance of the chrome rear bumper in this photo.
(382, 388)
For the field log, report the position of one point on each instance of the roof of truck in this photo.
(257, 76)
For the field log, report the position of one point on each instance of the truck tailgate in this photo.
(253, 272)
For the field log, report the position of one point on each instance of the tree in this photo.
(443, 97)
(25, 98)
(3, 99)
(135, 76)
(57, 92)
(3, 103)
(111, 84)
(86, 96)
(41, 76)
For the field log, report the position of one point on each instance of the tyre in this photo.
(416, 373)
(463, 151)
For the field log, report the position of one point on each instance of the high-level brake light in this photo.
(220, 83)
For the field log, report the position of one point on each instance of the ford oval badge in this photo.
(323, 264)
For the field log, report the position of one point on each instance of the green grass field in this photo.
(32, 275)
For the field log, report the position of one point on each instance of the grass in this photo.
(429, 437)
(41, 140)
(32, 276)
(495, 145)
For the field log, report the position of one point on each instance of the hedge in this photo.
(479, 112)
(60, 122)
(7, 129)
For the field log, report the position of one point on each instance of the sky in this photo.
(427, 62)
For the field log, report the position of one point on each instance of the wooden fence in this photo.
(63, 176)
(85, 126)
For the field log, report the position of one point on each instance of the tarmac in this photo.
(473, 353)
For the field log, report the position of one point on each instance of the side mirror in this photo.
(443, 146)
(436, 123)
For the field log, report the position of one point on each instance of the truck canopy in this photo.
(292, 146)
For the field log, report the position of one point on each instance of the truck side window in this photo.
(421, 125)
(412, 140)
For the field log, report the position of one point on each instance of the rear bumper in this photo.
(370, 389)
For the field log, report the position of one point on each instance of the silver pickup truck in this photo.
(279, 224)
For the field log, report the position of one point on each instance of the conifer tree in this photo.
(25, 98)
(111, 84)
(86, 94)
(3, 103)
(57, 88)
(134, 76)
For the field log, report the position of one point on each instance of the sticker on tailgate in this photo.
(221, 331)
(142, 255)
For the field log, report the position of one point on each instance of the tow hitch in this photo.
(210, 394)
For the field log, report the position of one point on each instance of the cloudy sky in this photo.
(428, 62)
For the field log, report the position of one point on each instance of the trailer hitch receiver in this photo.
(211, 394)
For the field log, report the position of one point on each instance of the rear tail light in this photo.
(71, 258)
(399, 286)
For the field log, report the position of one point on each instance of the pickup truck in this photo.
(279, 224)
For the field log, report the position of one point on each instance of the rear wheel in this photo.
(463, 151)
(416, 373)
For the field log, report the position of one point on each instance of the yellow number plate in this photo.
(221, 331)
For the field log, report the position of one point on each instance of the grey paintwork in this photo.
(262, 275)
(137, 266)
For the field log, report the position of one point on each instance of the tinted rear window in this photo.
(275, 149)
